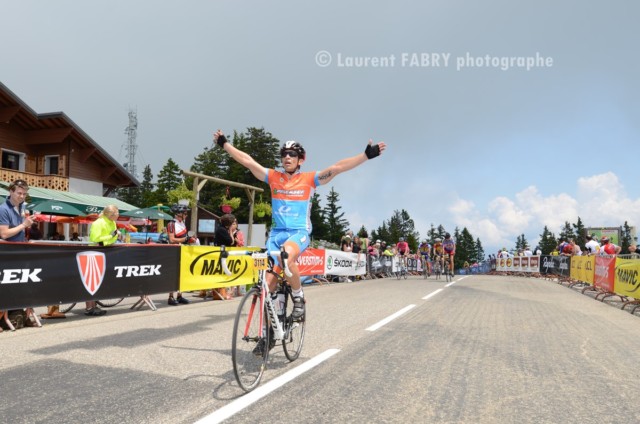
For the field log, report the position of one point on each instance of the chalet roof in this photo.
(55, 127)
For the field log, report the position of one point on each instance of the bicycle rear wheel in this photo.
(294, 331)
(247, 366)
(108, 303)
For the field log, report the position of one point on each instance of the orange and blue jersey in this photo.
(291, 199)
(438, 249)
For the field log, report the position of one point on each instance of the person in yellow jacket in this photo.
(103, 233)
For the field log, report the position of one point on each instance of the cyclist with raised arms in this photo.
(291, 192)
(449, 247)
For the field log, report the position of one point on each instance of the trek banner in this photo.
(34, 274)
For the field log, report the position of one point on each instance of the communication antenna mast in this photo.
(131, 132)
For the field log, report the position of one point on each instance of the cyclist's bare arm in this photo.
(258, 171)
(326, 175)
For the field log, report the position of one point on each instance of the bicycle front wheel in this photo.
(249, 360)
(294, 331)
(108, 303)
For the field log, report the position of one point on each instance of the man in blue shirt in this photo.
(13, 221)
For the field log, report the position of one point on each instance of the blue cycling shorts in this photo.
(299, 238)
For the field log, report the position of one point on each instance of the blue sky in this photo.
(500, 151)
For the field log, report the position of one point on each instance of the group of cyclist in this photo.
(439, 252)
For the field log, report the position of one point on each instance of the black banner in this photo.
(558, 265)
(38, 275)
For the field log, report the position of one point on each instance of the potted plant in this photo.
(229, 204)
(261, 209)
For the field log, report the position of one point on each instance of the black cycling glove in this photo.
(372, 151)
(221, 140)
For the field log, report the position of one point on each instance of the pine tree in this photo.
(318, 221)
(548, 241)
(169, 178)
(336, 224)
(479, 251)
(625, 238)
(579, 233)
(149, 197)
(566, 233)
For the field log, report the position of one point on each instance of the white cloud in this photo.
(600, 200)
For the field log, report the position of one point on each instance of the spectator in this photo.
(346, 245)
(103, 233)
(537, 251)
(225, 236)
(592, 247)
(238, 236)
(178, 234)
(608, 248)
(163, 237)
(34, 232)
(635, 252)
(527, 251)
(14, 219)
(575, 249)
(75, 237)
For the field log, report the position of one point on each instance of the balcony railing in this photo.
(54, 182)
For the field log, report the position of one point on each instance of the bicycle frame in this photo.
(265, 298)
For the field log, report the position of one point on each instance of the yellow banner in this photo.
(582, 268)
(200, 268)
(627, 278)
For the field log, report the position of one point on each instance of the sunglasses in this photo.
(290, 153)
(19, 183)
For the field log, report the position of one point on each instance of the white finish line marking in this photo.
(251, 397)
(432, 294)
(390, 318)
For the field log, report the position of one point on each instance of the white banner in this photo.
(344, 263)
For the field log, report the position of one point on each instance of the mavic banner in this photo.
(200, 268)
(582, 268)
(604, 274)
(628, 277)
(34, 274)
(344, 263)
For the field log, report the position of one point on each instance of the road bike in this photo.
(262, 321)
(425, 268)
(402, 268)
(437, 267)
(447, 272)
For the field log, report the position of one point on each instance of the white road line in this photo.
(390, 318)
(432, 294)
(450, 284)
(251, 397)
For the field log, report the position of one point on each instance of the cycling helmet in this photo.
(178, 208)
(401, 239)
(438, 240)
(447, 236)
(295, 146)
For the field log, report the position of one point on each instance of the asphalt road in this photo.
(485, 349)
